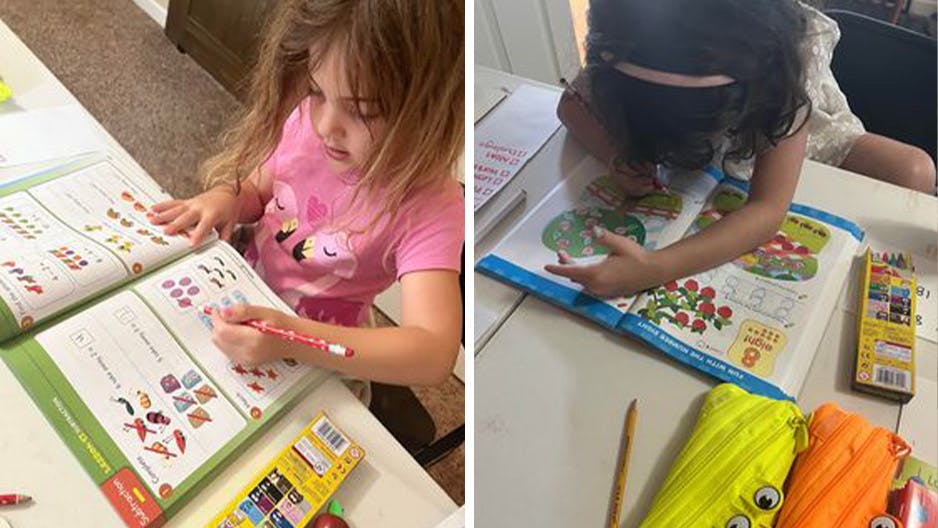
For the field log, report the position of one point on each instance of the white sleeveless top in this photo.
(832, 127)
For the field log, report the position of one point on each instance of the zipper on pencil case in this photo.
(895, 452)
(780, 428)
(837, 479)
(714, 432)
(819, 451)
(679, 473)
(705, 461)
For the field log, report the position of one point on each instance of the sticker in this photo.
(169, 383)
(198, 417)
(183, 401)
(205, 393)
(191, 379)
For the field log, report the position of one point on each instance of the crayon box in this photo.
(885, 361)
(297, 483)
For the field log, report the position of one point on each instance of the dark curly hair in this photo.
(755, 42)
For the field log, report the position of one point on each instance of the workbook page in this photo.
(219, 277)
(73, 236)
(565, 219)
(162, 410)
(758, 319)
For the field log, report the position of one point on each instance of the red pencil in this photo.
(11, 499)
(292, 335)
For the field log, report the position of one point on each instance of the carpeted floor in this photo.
(166, 112)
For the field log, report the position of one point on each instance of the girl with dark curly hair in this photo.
(744, 85)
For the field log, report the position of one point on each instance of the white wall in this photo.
(156, 9)
(530, 38)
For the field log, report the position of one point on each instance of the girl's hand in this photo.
(215, 208)
(629, 268)
(634, 182)
(242, 343)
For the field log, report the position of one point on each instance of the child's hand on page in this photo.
(634, 181)
(629, 268)
(215, 208)
(242, 343)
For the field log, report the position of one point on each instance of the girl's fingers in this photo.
(574, 273)
(166, 215)
(200, 230)
(226, 231)
(182, 221)
(165, 206)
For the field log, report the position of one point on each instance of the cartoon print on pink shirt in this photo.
(322, 250)
(315, 210)
(284, 206)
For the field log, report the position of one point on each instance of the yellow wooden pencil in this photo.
(622, 471)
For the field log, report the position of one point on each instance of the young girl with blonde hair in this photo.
(345, 159)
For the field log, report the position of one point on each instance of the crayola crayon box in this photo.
(298, 482)
(885, 362)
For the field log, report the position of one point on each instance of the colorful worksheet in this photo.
(72, 233)
(102, 326)
(755, 321)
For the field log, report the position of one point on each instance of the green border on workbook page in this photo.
(99, 455)
(9, 326)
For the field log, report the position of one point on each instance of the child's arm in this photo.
(575, 114)
(219, 207)
(630, 268)
(419, 352)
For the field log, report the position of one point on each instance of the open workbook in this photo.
(755, 321)
(100, 322)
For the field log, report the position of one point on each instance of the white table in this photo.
(388, 489)
(552, 388)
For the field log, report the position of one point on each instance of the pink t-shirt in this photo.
(305, 247)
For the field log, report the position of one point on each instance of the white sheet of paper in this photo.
(485, 101)
(918, 420)
(47, 133)
(926, 279)
(510, 136)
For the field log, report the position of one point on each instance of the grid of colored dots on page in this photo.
(20, 224)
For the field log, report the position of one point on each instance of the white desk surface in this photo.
(552, 388)
(388, 489)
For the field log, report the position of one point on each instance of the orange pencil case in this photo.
(842, 480)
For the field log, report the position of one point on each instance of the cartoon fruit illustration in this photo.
(789, 256)
(572, 231)
(684, 306)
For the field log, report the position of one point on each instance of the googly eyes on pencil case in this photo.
(843, 479)
(731, 471)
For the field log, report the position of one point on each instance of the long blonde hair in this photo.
(408, 55)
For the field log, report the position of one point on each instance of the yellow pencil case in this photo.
(731, 471)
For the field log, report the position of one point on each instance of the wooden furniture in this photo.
(221, 35)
